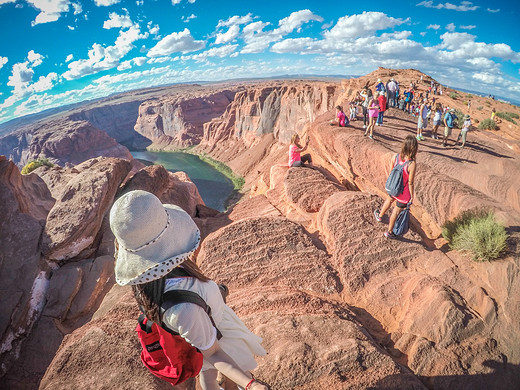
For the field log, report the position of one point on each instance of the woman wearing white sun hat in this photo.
(153, 240)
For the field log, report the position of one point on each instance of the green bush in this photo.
(488, 124)
(460, 119)
(480, 108)
(508, 116)
(476, 231)
(453, 95)
(32, 165)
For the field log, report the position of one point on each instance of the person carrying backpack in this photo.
(400, 183)
(153, 243)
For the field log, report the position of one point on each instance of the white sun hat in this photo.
(152, 238)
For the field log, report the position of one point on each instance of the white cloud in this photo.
(258, 40)
(361, 25)
(117, 21)
(470, 27)
(229, 35)
(3, 61)
(153, 28)
(222, 51)
(130, 63)
(464, 6)
(50, 10)
(434, 26)
(176, 42)
(450, 27)
(45, 83)
(493, 11)
(77, 8)
(101, 58)
(463, 45)
(235, 20)
(188, 18)
(106, 3)
(423, 33)
(175, 2)
(69, 58)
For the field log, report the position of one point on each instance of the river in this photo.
(213, 186)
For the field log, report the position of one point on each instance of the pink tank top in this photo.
(293, 154)
(405, 196)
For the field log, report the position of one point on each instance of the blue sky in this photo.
(57, 52)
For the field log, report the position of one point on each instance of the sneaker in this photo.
(421, 137)
(389, 235)
(378, 217)
(364, 126)
(372, 138)
(418, 138)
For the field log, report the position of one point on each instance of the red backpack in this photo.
(165, 353)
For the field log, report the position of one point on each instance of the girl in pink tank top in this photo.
(407, 156)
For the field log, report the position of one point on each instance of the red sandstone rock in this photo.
(22, 274)
(74, 221)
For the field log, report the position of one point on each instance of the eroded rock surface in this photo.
(75, 220)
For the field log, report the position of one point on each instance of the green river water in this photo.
(213, 186)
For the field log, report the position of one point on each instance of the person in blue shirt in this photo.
(449, 123)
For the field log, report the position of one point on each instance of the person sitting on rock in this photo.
(341, 118)
(295, 150)
(156, 246)
(407, 156)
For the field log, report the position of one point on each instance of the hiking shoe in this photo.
(417, 138)
(389, 235)
(378, 217)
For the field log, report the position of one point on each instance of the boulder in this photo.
(74, 221)
(23, 276)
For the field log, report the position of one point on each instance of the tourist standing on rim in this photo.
(407, 158)
(391, 89)
(464, 131)
(366, 95)
(295, 150)
(154, 242)
(449, 122)
(423, 120)
(373, 112)
(382, 108)
(437, 119)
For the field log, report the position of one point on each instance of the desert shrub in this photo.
(32, 165)
(488, 124)
(480, 108)
(476, 231)
(508, 116)
(469, 96)
(453, 95)
(460, 119)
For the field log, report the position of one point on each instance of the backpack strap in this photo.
(146, 326)
(176, 297)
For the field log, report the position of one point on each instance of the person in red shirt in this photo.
(382, 108)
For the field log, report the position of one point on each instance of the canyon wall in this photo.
(177, 120)
(61, 141)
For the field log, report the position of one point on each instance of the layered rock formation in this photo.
(61, 141)
(177, 120)
(45, 297)
(338, 305)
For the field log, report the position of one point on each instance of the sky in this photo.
(58, 52)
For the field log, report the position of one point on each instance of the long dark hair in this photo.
(409, 147)
(149, 295)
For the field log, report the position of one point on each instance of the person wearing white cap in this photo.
(153, 241)
(464, 131)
